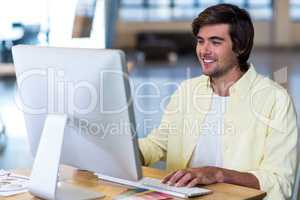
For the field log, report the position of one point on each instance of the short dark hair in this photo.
(241, 28)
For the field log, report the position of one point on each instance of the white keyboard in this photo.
(182, 192)
(156, 185)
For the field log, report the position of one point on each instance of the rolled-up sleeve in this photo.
(277, 170)
(154, 146)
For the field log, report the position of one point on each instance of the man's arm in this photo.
(153, 148)
(240, 178)
(209, 175)
(141, 157)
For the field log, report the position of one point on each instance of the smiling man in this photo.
(230, 124)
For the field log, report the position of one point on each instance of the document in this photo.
(11, 184)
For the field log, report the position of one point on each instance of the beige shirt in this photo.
(260, 131)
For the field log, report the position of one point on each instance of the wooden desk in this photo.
(86, 179)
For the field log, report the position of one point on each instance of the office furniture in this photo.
(221, 191)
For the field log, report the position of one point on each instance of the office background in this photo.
(156, 36)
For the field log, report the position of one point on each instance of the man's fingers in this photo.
(184, 180)
(167, 178)
(190, 178)
(194, 182)
(178, 175)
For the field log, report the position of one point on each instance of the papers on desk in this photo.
(142, 194)
(11, 184)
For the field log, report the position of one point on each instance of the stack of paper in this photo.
(11, 184)
(142, 194)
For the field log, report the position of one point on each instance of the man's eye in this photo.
(200, 42)
(216, 42)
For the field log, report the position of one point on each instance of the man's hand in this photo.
(194, 176)
(208, 175)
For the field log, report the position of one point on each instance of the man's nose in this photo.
(205, 49)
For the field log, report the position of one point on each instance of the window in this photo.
(295, 10)
(185, 10)
(260, 9)
(240, 3)
(158, 3)
(183, 3)
(132, 2)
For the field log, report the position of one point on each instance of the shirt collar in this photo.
(242, 86)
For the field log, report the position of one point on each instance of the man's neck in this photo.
(221, 85)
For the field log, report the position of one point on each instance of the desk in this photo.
(221, 191)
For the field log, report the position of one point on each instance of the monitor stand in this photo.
(44, 176)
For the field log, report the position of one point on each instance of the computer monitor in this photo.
(78, 111)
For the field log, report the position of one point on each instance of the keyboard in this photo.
(182, 192)
(156, 185)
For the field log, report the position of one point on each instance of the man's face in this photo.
(214, 50)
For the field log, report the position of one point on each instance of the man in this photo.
(231, 124)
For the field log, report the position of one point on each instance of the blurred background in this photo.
(156, 36)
